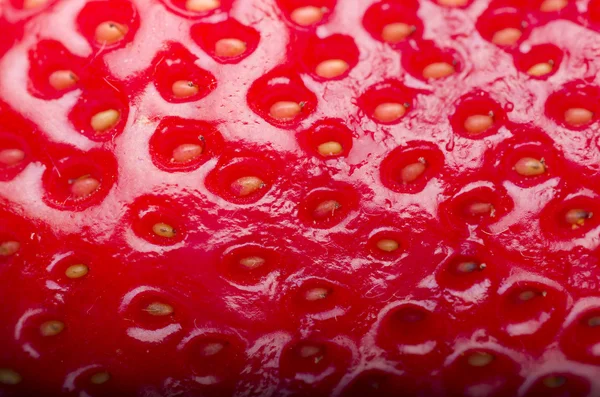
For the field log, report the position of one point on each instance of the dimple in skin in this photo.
(553, 382)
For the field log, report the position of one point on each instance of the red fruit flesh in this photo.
(290, 197)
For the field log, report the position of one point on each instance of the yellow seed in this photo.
(9, 377)
(252, 262)
(212, 349)
(577, 217)
(105, 120)
(396, 32)
(553, 382)
(316, 294)
(553, 5)
(306, 16)
(100, 377)
(412, 172)
(246, 185)
(332, 68)
(577, 117)
(331, 148)
(202, 5)
(29, 4)
(469, 267)
(389, 112)
(480, 359)
(285, 110)
(10, 157)
(480, 209)
(528, 166)
(83, 187)
(62, 79)
(52, 328)
(76, 271)
(159, 309)
(527, 295)
(388, 245)
(507, 36)
(308, 351)
(110, 32)
(229, 48)
(478, 123)
(184, 89)
(8, 248)
(187, 152)
(164, 230)
(541, 69)
(453, 3)
(438, 70)
(326, 209)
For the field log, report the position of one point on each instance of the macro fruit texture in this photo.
(299, 197)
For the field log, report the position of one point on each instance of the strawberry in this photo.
(299, 197)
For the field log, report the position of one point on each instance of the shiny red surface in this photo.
(405, 320)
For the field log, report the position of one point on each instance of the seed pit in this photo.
(326, 207)
(480, 359)
(51, 328)
(157, 220)
(100, 378)
(329, 138)
(228, 41)
(108, 23)
(428, 62)
(477, 116)
(504, 26)
(477, 204)
(9, 377)
(331, 57)
(409, 169)
(313, 357)
(387, 102)
(575, 106)
(392, 22)
(541, 62)
(177, 77)
(9, 248)
(241, 180)
(215, 355)
(249, 263)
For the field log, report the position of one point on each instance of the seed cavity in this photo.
(412, 172)
(528, 166)
(394, 33)
(388, 245)
(479, 123)
(186, 152)
(470, 267)
(594, 321)
(389, 112)
(110, 32)
(105, 120)
(252, 262)
(9, 377)
(8, 248)
(317, 294)
(326, 209)
(100, 378)
(315, 353)
(164, 230)
(507, 37)
(438, 70)
(184, 89)
(332, 68)
(285, 110)
(308, 15)
(481, 209)
(52, 328)
(202, 5)
(330, 149)
(230, 48)
(541, 69)
(553, 5)
(576, 217)
(159, 309)
(212, 349)
(578, 117)
(480, 359)
(62, 79)
(11, 157)
(527, 295)
(246, 185)
(83, 186)
(76, 271)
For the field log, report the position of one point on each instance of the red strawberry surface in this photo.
(299, 198)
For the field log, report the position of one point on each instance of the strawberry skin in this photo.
(299, 198)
